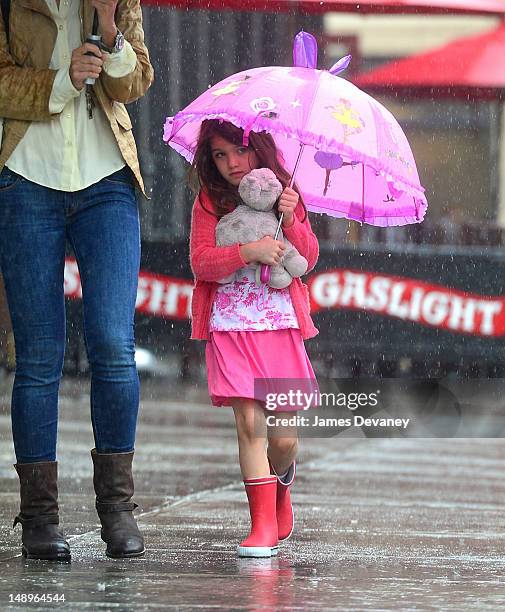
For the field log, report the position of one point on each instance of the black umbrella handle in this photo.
(95, 39)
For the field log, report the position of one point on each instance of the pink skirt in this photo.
(250, 364)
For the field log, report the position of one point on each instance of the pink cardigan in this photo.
(209, 263)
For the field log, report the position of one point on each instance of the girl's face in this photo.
(232, 161)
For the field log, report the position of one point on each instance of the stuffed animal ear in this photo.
(276, 187)
(249, 188)
(269, 182)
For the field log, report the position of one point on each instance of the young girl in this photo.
(246, 337)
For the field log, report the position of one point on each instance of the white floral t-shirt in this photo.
(242, 305)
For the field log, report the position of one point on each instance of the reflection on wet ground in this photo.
(381, 524)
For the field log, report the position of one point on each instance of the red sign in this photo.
(164, 296)
(408, 299)
(403, 298)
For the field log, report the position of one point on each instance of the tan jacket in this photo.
(26, 81)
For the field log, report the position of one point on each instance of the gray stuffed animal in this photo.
(254, 219)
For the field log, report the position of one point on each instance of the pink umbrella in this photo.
(350, 156)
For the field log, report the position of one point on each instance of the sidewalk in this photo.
(382, 524)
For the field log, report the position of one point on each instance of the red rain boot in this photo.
(285, 514)
(262, 541)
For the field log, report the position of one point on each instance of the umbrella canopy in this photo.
(470, 68)
(468, 7)
(352, 157)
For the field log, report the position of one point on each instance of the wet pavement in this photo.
(382, 524)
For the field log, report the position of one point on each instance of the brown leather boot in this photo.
(42, 538)
(113, 481)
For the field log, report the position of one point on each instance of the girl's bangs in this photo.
(226, 130)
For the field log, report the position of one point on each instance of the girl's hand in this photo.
(267, 251)
(287, 204)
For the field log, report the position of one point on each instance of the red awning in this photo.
(472, 67)
(487, 7)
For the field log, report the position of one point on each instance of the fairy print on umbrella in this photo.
(329, 162)
(230, 88)
(348, 118)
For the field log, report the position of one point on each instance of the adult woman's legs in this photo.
(32, 256)
(105, 235)
(104, 232)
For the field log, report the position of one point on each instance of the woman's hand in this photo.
(267, 251)
(83, 66)
(106, 12)
(287, 204)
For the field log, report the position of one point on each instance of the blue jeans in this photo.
(101, 223)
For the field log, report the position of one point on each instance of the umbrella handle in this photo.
(292, 181)
(266, 270)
